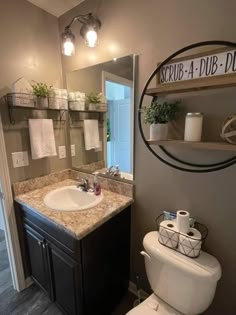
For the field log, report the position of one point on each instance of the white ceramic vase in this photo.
(159, 131)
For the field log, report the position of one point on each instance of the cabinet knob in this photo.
(43, 245)
(39, 243)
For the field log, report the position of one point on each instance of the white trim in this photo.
(2, 227)
(12, 241)
(117, 79)
(28, 282)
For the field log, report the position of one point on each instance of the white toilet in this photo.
(181, 285)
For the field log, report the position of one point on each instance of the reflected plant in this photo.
(108, 130)
(41, 89)
(94, 98)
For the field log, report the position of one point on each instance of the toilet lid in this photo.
(143, 310)
(153, 306)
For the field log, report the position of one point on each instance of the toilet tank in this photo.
(186, 284)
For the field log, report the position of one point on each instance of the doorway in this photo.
(119, 147)
(5, 271)
(10, 257)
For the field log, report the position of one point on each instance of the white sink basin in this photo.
(70, 198)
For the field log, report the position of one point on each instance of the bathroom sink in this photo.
(70, 198)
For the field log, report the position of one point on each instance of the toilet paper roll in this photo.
(168, 234)
(190, 244)
(182, 220)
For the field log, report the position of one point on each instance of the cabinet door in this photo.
(106, 254)
(67, 280)
(37, 255)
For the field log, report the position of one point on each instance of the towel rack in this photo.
(75, 115)
(12, 106)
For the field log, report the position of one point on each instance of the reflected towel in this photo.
(91, 134)
(42, 138)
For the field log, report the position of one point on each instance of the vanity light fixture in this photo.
(90, 26)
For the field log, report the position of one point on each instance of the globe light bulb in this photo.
(68, 48)
(68, 42)
(91, 38)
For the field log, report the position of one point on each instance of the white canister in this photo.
(193, 127)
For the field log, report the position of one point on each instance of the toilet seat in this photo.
(153, 306)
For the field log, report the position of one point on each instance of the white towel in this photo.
(91, 134)
(42, 138)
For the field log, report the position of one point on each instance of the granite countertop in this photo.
(77, 223)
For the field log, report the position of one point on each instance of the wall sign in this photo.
(199, 66)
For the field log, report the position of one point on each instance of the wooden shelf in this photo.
(218, 82)
(12, 107)
(86, 111)
(218, 146)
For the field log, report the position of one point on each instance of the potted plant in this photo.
(93, 99)
(41, 91)
(158, 115)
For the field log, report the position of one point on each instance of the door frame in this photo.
(107, 76)
(12, 240)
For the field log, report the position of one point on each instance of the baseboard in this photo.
(139, 293)
(28, 282)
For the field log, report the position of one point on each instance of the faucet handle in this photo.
(116, 171)
(109, 169)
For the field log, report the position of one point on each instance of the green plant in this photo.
(94, 98)
(41, 89)
(108, 130)
(160, 113)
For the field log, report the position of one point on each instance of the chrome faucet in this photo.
(84, 184)
(109, 170)
(113, 171)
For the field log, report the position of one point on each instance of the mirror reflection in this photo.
(101, 102)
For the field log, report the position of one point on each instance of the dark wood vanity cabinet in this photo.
(38, 256)
(57, 273)
(83, 277)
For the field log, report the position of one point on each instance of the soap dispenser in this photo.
(96, 185)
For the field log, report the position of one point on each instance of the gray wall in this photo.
(153, 29)
(89, 79)
(30, 48)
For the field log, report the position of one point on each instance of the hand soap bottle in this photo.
(96, 185)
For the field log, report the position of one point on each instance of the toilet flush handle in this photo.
(143, 253)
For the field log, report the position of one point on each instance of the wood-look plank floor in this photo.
(5, 274)
(33, 301)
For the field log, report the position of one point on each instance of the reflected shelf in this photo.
(87, 111)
